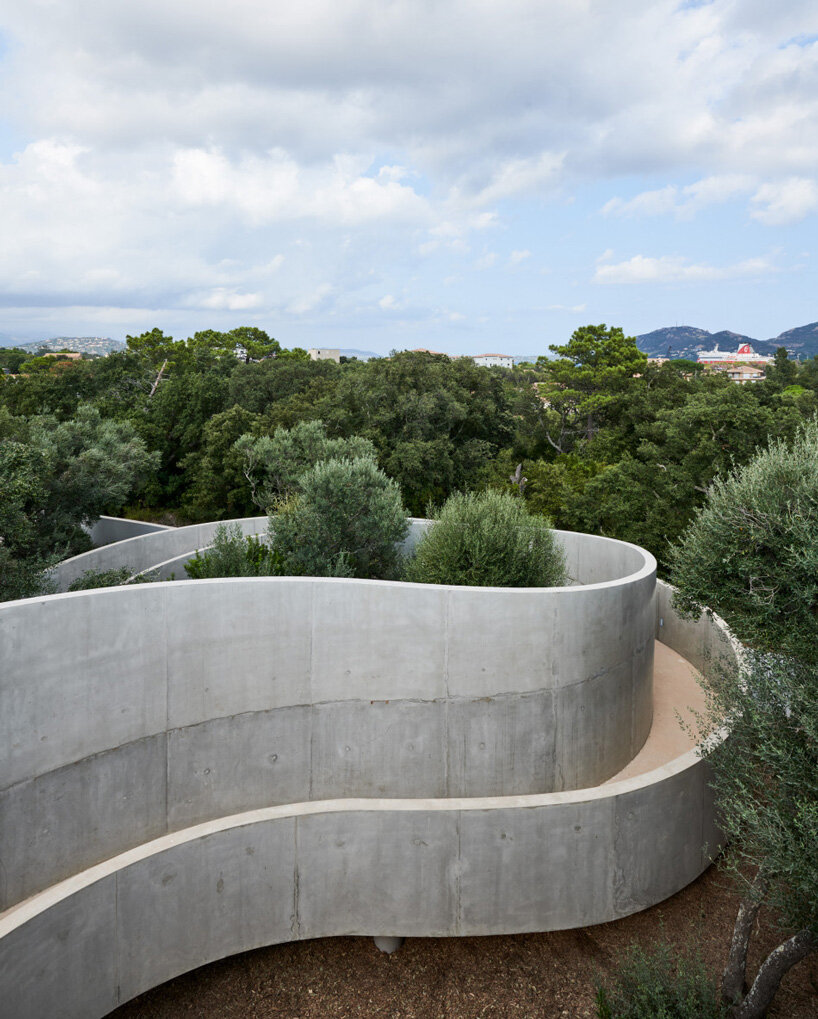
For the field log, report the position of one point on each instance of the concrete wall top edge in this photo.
(641, 559)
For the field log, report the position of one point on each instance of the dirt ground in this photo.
(526, 975)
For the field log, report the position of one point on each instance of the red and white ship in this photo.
(745, 354)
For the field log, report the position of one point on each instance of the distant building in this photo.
(743, 373)
(325, 354)
(69, 355)
(494, 360)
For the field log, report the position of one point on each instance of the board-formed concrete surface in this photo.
(468, 719)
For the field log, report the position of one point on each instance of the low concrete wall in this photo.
(373, 867)
(213, 697)
(147, 550)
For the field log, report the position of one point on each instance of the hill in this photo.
(801, 341)
(362, 355)
(82, 344)
(687, 341)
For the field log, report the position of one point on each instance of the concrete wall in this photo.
(590, 559)
(214, 697)
(147, 550)
(418, 867)
(409, 868)
(109, 529)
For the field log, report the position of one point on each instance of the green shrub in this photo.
(345, 521)
(660, 984)
(751, 553)
(92, 579)
(234, 555)
(488, 539)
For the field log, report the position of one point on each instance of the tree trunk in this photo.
(772, 971)
(733, 982)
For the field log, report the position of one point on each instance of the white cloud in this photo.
(566, 307)
(273, 187)
(311, 301)
(785, 202)
(522, 177)
(230, 300)
(675, 269)
(173, 146)
(683, 202)
(486, 261)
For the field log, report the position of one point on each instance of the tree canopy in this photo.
(751, 553)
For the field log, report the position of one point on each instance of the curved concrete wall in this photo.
(407, 867)
(105, 530)
(128, 715)
(206, 698)
(590, 559)
(145, 550)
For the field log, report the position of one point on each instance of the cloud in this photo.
(272, 187)
(174, 150)
(683, 202)
(576, 308)
(486, 261)
(231, 300)
(311, 301)
(785, 202)
(675, 269)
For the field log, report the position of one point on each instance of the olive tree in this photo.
(56, 477)
(273, 464)
(752, 555)
(345, 520)
(488, 539)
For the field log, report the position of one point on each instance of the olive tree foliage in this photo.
(56, 477)
(751, 553)
(487, 539)
(233, 554)
(345, 520)
(765, 776)
(273, 464)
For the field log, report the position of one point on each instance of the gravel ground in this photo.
(523, 975)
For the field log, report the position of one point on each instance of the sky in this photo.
(464, 175)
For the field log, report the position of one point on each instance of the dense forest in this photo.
(169, 430)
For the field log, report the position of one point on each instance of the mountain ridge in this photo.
(686, 341)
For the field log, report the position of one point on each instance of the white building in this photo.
(494, 360)
(324, 354)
